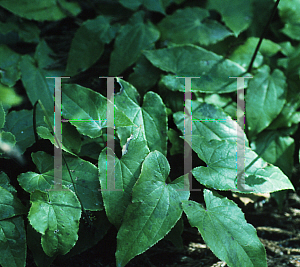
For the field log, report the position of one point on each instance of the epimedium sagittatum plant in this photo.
(145, 205)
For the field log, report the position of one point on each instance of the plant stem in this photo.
(262, 36)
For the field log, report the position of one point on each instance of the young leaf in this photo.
(224, 229)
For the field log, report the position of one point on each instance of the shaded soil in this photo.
(279, 232)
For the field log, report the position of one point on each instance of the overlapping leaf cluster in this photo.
(213, 40)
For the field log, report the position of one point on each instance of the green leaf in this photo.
(27, 31)
(214, 139)
(221, 170)
(20, 124)
(126, 172)
(268, 48)
(86, 110)
(35, 84)
(210, 122)
(134, 37)
(56, 216)
(151, 117)
(13, 242)
(92, 147)
(35, 246)
(243, 54)
(45, 133)
(144, 75)
(43, 56)
(10, 205)
(266, 96)
(191, 25)
(71, 138)
(88, 238)
(5, 183)
(9, 147)
(88, 44)
(175, 234)
(289, 11)
(155, 209)
(9, 69)
(9, 97)
(41, 10)
(84, 175)
(195, 61)
(152, 5)
(43, 161)
(236, 14)
(261, 12)
(177, 143)
(279, 151)
(224, 229)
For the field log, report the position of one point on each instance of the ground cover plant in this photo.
(149, 44)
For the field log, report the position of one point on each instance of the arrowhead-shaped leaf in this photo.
(221, 170)
(214, 139)
(151, 116)
(155, 209)
(224, 229)
(126, 172)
